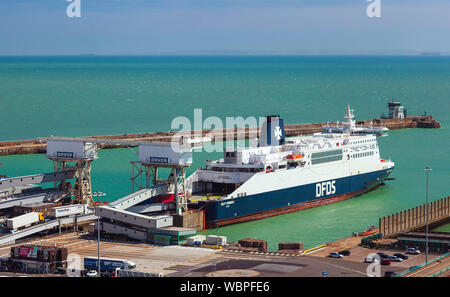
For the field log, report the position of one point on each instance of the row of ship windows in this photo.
(365, 154)
(362, 141)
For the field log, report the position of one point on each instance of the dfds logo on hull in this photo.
(325, 188)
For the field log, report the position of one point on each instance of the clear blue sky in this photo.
(169, 26)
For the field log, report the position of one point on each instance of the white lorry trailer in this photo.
(69, 210)
(24, 220)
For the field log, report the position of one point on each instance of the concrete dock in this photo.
(195, 261)
(36, 146)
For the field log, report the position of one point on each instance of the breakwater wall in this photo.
(36, 146)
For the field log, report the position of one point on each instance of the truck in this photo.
(109, 265)
(24, 220)
(68, 210)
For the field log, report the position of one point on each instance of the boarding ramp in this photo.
(139, 196)
(9, 239)
(134, 219)
(46, 195)
(153, 207)
(36, 179)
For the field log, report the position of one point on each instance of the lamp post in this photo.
(98, 247)
(427, 169)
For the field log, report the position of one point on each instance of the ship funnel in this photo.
(272, 131)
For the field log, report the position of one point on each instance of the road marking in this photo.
(340, 267)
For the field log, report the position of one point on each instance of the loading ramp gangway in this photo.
(9, 239)
(46, 195)
(139, 196)
(36, 179)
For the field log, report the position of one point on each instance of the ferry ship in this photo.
(282, 175)
(349, 126)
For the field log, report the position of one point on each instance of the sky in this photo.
(142, 27)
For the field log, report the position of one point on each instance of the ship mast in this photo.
(350, 118)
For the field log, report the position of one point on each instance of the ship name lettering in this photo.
(325, 188)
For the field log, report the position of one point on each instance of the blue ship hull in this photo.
(251, 207)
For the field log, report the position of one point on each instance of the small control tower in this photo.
(154, 156)
(81, 153)
(396, 110)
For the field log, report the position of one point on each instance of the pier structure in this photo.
(414, 218)
(131, 140)
(81, 153)
(176, 158)
(152, 156)
(396, 110)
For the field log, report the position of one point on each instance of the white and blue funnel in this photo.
(272, 131)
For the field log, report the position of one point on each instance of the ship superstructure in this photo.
(349, 126)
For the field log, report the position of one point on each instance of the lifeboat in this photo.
(293, 157)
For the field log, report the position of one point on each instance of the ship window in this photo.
(325, 157)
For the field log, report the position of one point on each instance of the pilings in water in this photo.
(414, 218)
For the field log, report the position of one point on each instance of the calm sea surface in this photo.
(82, 96)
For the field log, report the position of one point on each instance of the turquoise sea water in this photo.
(76, 96)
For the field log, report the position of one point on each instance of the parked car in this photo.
(385, 262)
(335, 255)
(394, 259)
(345, 253)
(382, 255)
(92, 273)
(371, 260)
(412, 251)
(390, 273)
(401, 256)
